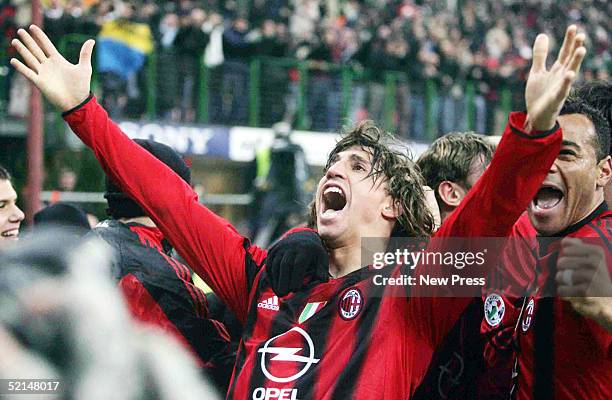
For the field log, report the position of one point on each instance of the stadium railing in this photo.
(315, 95)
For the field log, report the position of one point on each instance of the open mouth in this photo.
(547, 198)
(334, 200)
(10, 234)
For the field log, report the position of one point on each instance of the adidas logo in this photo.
(270, 304)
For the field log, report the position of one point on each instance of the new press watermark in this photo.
(429, 266)
(428, 280)
(31, 386)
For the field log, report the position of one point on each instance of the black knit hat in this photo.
(62, 214)
(121, 205)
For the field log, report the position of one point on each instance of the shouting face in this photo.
(575, 182)
(351, 203)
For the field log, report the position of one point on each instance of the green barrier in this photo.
(347, 84)
(255, 77)
(301, 103)
(151, 106)
(271, 79)
(431, 110)
(506, 101)
(389, 103)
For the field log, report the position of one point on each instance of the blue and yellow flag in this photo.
(123, 47)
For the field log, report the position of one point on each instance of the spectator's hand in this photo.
(64, 84)
(584, 281)
(547, 90)
(298, 259)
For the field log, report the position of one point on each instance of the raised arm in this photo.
(527, 150)
(211, 246)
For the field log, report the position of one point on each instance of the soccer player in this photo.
(10, 214)
(561, 354)
(344, 338)
(158, 289)
(517, 272)
(451, 166)
(597, 94)
(513, 329)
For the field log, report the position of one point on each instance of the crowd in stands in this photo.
(439, 44)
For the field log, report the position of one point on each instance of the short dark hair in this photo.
(63, 215)
(391, 162)
(601, 141)
(597, 94)
(450, 157)
(4, 174)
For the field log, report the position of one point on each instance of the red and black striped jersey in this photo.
(559, 353)
(159, 291)
(344, 339)
(507, 285)
(556, 353)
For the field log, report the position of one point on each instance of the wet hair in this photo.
(391, 164)
(450, 157)
(601, 141)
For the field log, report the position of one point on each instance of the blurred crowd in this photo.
(434, 46)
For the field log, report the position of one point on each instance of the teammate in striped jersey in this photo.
(451, 166)
(563, 344)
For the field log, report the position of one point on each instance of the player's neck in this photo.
(146, 221)
(348, 256)
(445, 212)
(608, 195)
(444, 215)
(344, 260)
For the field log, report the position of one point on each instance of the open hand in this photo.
(547, 90)
(64, 84)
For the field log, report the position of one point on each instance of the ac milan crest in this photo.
(350, 304)
(526, 323)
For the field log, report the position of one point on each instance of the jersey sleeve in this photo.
(490, 209)
(211, 246)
